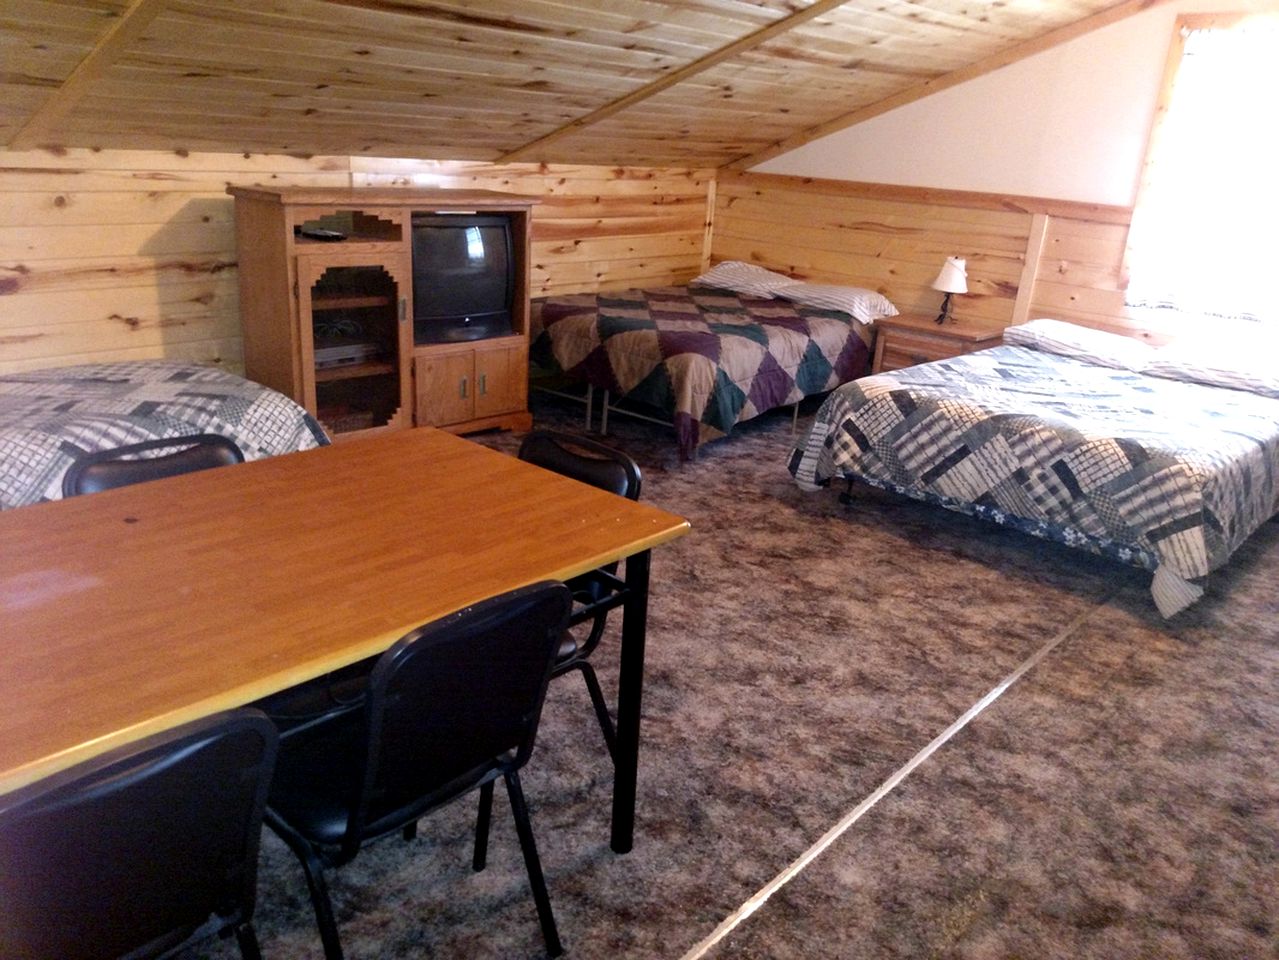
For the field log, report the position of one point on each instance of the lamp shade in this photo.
(953, 277)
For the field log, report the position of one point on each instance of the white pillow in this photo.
(1083, 343)
(1241, 364)
(744, 278)
(858, 302)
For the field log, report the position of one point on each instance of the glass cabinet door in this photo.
(356, 340)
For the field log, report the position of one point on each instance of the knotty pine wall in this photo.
(115, 255)
(1027, 257)
(112, 255)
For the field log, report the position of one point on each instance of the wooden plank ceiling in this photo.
(699, 83)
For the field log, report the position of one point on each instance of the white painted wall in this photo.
(1069, 123)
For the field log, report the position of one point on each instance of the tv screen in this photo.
(463, 277)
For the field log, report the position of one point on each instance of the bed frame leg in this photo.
(590, 398)
(847, 498)
(794, 419)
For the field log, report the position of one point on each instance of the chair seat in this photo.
(450, 708)
(595, 593)
(598, 591)
(588, 587)
(567, 650)
(318, 772)
(316, 776)
(306, 704)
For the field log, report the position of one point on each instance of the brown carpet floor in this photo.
(1119, 800)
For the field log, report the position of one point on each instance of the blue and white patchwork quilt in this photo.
(49, 417)
(1167, 474)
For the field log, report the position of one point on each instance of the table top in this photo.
(952, 329)
(131, 611)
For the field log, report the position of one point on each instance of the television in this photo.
(463, 277)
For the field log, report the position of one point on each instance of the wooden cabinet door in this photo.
(445, 387)
(501, 379)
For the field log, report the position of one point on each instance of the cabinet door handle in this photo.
(484, 384)
(404, 309)
(462, 386)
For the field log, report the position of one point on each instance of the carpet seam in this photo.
(841, 826)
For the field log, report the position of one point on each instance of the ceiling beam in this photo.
(134, 19)
(700, 65)
(1003, 58)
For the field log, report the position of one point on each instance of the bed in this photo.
(1154, 459)
(49, 417)
(707, 358)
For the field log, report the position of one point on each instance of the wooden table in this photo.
(135, 610)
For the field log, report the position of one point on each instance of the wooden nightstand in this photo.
(908, 339)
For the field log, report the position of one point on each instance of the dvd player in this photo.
(344, 354)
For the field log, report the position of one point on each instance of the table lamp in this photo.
(952, 279)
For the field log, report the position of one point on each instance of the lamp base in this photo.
(945, 309)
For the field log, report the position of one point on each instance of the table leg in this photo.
(630, 687)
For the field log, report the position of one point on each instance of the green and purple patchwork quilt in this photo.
(707, 358)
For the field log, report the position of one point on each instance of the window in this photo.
(1203, 233)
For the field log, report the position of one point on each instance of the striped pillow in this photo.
(1082, 343)
(1237, 364)
(858, 302)
(744, 278)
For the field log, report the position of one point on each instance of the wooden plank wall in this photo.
(596, 228)
(115, 255)
(1027, 257)
(1079, 277)
(112, 255)
(127, 254)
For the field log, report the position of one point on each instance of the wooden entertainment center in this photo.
(326, 302)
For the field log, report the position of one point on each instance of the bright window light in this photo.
(474, 245)
(1203, 235)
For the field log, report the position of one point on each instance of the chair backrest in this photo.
(121, 466)
(583, 459)
(453, 701)
(138, 850)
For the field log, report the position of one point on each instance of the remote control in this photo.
(319, 233)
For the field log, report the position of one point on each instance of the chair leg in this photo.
(482, 819)
(597, 701)
(541, 897)
(324, 918)
(319, 890)
(247, 938)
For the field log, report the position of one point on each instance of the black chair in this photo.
(450, 708)
(142, 850)
(300, 707)
(599, 591)
(121, 466)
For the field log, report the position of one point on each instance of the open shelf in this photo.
(348, 302)
(353, 370)
(354, 226)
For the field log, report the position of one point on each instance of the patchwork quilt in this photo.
(49, 417)
(708, 358)
(1166, 474)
